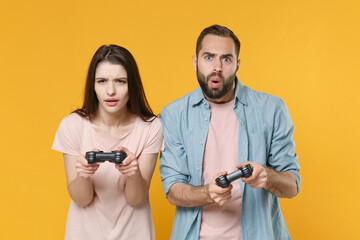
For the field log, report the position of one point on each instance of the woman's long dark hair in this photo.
(114, 54)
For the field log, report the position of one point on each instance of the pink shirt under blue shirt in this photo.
(108, 216)
(220, 155)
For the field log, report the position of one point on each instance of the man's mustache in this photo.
(219, 75)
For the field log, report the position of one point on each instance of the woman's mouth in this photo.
(111, 102)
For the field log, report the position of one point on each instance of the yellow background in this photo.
(306, 52)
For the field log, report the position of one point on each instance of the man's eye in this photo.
(227, 60)
(208, 57)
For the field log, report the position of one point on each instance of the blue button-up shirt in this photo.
(265, 137)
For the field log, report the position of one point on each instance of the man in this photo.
(219, 127)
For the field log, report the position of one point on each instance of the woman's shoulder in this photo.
(73, 120)
(150, 134)
(76, 117)
(152, 123)
(150, 127)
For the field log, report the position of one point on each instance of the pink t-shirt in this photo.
(108, 216)
(221, 154)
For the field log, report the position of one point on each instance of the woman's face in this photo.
(111, 87)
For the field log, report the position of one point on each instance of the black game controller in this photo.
(114, 156)
(224, 180)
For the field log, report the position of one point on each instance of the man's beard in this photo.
(215, 93)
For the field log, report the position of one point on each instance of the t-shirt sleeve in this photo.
(154, 141)
(67, 137)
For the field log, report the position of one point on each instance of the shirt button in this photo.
(198, 168)
(201, 142)
(206, 119)
(194, 216)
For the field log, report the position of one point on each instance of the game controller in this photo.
(224, 180)
(114, 156)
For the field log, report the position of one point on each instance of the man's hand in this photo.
(219, 195)
(280, 184)
(186, 195)
(259, 176)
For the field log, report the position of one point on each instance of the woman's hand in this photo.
(130, 166)
(84, 169)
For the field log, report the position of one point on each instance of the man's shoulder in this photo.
(265, 106)
(262, 98)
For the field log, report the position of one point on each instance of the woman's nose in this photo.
(110, 89)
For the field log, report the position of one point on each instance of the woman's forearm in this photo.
(136, 189)
(81, 191)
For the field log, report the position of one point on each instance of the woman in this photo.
(110, 201)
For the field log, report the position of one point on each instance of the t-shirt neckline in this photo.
(111, 138)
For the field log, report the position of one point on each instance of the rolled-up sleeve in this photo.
(282, 155)
(173, 159)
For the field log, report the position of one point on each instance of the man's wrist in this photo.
(269, 171)
(209, 199)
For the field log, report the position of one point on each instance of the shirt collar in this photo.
(199, 97)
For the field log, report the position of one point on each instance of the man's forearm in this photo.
(281, 184)
(185, 195)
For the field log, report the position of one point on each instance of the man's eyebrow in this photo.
(208, 53)
(228, 55)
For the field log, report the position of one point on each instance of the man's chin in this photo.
(216, 89)
(214, 93)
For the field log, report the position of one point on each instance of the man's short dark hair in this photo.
(220, 31)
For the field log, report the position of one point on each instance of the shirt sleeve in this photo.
(173, 159)
(155, 138)
(282, 155)
(67, 137)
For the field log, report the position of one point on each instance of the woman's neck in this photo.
(112, 119)
(113, 125)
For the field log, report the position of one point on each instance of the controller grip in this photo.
(234, 175)
(225, 180)
(245, 171)
(91, 157)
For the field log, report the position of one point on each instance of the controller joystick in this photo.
(114, 156)
(224, 180)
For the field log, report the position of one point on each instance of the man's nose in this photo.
(217, 66)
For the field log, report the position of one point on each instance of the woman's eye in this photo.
(121, 81)
(100, 81)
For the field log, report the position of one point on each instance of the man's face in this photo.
(216, 66)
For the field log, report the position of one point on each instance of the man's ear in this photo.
(194, 62)
(238, 65)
